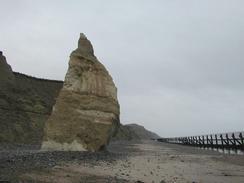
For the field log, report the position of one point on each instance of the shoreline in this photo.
(138, 161)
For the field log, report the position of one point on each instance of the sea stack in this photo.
(86, 113)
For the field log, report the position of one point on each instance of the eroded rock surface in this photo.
(6, 74)
(86, 113)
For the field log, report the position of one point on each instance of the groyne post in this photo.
(223, 141)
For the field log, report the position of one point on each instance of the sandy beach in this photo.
(147, 161)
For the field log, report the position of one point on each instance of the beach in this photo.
(138, 161)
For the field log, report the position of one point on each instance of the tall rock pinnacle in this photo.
(6, 73)
(86, 113)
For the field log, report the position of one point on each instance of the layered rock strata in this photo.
(86, 113)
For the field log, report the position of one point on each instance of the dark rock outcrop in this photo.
(6, 74)
(25, 104)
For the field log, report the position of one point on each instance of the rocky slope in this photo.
(134, 132)
(25, 104)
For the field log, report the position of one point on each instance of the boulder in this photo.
(86, 113)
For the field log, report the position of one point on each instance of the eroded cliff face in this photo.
(26, 102)
(25, 105)
(86, 113)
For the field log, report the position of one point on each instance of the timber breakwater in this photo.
(223, 141)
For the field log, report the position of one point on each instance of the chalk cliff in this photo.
(86, 114)
(26, 103)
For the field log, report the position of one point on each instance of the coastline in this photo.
(124, 161)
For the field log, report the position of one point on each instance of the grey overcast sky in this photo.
(178, 65)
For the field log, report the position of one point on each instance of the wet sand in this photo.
(146, 161)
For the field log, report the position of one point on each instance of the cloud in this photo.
(178, 64)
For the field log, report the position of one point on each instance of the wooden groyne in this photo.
(223, 141)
